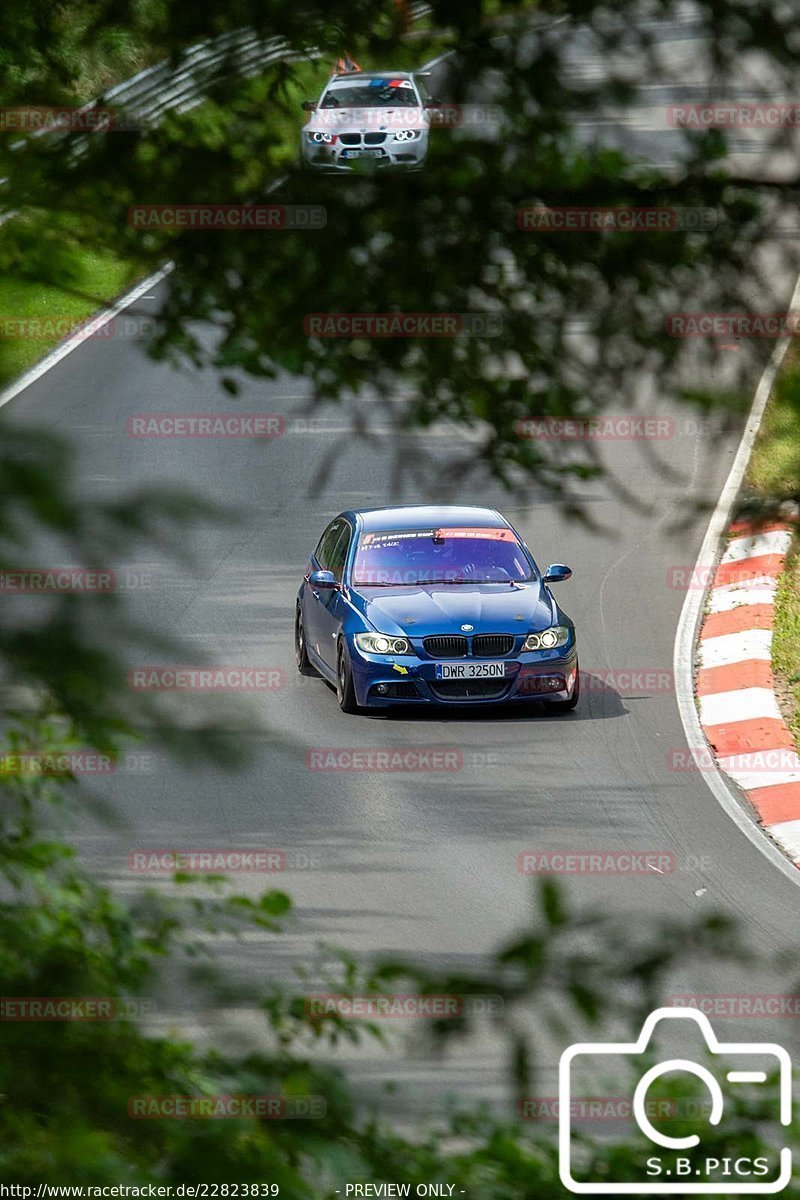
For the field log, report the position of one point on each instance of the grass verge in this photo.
(774, 472)
(98, 278)
(786, 642)
(774, 476)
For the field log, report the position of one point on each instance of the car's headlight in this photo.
(380, 643)
(548, 639)
(406, 135)
(320, 137)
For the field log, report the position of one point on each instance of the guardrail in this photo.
(164, 88)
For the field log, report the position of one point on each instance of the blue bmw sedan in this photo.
(438, 605)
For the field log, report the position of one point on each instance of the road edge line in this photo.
(88, 328)
(694, 606)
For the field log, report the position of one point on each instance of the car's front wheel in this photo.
(561, 706)
(300, 653)
(345, 688)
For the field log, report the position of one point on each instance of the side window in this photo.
(423, 89)
(327, 543)
(339, 552)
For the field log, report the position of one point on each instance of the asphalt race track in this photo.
(424, 863)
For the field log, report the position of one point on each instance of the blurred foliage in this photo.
(443, 240)
(583, 315)
(66, 654)
(66, 1086)
(71, 52)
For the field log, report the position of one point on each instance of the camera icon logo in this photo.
(680, 1165)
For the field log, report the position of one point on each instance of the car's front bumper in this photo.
(383, 680)
(320, 157)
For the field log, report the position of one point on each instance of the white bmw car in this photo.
(382, 116)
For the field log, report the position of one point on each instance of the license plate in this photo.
(485, 670)
(362, 154)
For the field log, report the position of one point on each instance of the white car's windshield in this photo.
(373, 93)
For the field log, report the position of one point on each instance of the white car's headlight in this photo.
(381, 643)
(320, 137)
(548, 639)
(406, 135)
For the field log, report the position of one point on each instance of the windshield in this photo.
(375, 93)
(397, 558)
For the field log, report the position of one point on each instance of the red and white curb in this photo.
(734, 683)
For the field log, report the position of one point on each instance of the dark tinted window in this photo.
(327, 543)
(339, 552)
(378, 93)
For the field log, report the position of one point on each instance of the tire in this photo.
(345, 688)
(564, 706)
(301, 657)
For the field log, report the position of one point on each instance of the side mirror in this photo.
(308, 105)
(433, 103)
(324, 580)
(557, 573)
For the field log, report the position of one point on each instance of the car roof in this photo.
(350, 75)
(427, 516)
